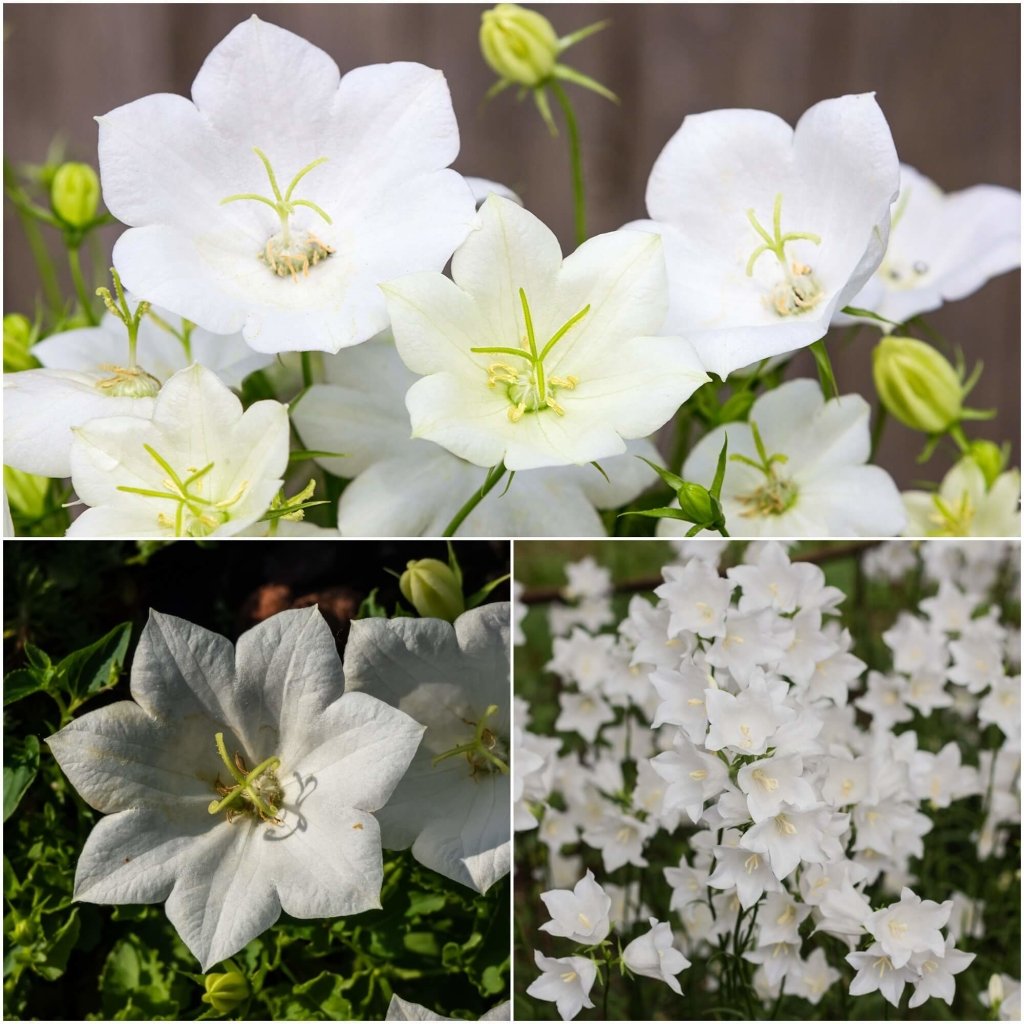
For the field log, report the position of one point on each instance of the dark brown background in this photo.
(947, 77)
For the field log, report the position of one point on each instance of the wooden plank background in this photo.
(947, 77)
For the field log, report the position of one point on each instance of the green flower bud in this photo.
(225, 992)
(990, 458)
(17, 342)
(917, 384)
(699, 505)
(26, 493)
(432, 589)
(519, 44)
(75, 194)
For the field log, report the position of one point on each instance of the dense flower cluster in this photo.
(734, 712)
(288, 242)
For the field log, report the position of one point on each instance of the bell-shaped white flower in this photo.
(85, 376)
(238, 783)
(580, 915)
(910, 926)
(566, 981)
(942, 246)
(278, 198)
(810, 480)
(965, 505)
(768, 230)
(361, 412)
(653, 956)
(200, 466)
(453, 805)
(535, 362)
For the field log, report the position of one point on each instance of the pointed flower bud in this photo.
(699, 506)
(433, 589)
(75, 194)
(225, 992)
(520, 45)
(918, 385)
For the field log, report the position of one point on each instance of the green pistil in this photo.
(124, 313)
(776, 495)
(531, 390)
(282, 205)
(247, 788)
(480, 750)
(775, 242)
(953, 520)
(205, 515)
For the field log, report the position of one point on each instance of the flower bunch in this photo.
(746, 790)
(282, 339)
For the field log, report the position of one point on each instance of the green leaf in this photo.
(303, 454)
(716, 484)
(659, 513)
(60, 948)
(324, 993)
(37, 658)
(422, 943)
(481, 595)
(22, 682)
(371, 608)
(825, 373)
(96, 667)
(133, 985)
(491, 981)
(675, 482)
(422, 903)
(21, 762)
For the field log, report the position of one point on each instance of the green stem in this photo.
(576, 157)
(307, 370)
(75, 263)
(494, 474)
(40, 254)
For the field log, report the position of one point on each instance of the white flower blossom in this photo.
(279, 197)
(653, 956)
(566, 981)
(534, 362)
(580, 915)
(237, 783)
(965, 505)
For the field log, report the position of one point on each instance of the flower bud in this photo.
(519, 44)
(17, 341)
(990, 458)
(917, 384)
(225, 992)
(996, 992)
(699, 505)
(432, 588)
(75, 194)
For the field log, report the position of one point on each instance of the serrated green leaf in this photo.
(85, 672)
(21, 763)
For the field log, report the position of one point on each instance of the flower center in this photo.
(255, 793)
(953, 519)
(288, 252)
(195, 516)
(128, 382)
(528, 387)
(776, 494)
(799, 290)
(485, 753)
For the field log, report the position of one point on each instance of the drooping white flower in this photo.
(201, 466)
(580, 915)
(566, 982)
(769, 230)
(401, 1009)
(361, 413)
(653, 956)
(237, 783)
(942, 247)
(965, 505)
(278, 198)
(452, 806)
(822, 487)
(85, 376)
(535, 362)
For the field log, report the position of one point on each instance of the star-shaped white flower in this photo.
(277, 199)
(360, 411)
(453, 805)
(85, 376)
(769, 230)
(535, 362)
(238, 783)
(819, 487)
(965, 505)
(565, 981)
(581, 914)
(942, 246)
(201, 466)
